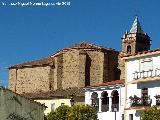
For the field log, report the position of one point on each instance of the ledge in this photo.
(137, 108)
(149, 79)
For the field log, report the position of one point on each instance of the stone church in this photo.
(78, 66)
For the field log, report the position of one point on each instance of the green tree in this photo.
(76, 112)
(82, 112)
(152, 113)
(62, 112)
(51, 116)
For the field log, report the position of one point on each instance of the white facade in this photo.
(107, 110)
(52, 104)
(142, 83)
(140, 90)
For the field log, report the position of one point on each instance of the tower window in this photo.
(128, 49)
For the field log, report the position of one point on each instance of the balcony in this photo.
(140, 103)
(145, 76)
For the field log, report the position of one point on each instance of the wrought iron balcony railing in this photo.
(143, 101)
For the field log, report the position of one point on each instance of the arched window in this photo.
(115, 100)
(95, 100)
(105, 101)
(129, 49)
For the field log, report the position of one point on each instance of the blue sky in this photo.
(34, 32)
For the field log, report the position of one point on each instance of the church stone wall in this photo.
(70, 69)
(73, 68)
(12, 79)
(96, 68)
(113, 73)
(30, 80)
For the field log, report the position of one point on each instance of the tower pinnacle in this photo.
(136, 27)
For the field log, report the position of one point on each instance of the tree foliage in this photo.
(82, 112)
(77, 112)
(152, 113)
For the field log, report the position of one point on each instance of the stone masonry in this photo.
(81, 65)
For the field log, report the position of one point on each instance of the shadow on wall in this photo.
(150, 84)
(87, 70)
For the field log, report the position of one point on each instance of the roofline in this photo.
(111, 83)
(141, 54)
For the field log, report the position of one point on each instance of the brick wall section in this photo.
(113, 66)
(70, 69)
(59, 72)
(12, 79)
(34, 79)
(121, 66)
(82, 69)
(96, 69)
(105, 67)
(51, 78)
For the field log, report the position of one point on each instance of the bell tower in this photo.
(135, 40)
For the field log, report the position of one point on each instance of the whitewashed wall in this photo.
(108, 115)
(133, 65)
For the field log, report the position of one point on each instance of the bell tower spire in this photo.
(135, 40)
(136, 27)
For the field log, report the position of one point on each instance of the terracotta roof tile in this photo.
(122, 55)
(45, 61)
(115, 82)
(59, 93)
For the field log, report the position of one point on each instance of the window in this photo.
(144, 92)
(146, 64)
(105, 101)
(115, 100)
(52, 107)
(130, 116)
(95, 100)
(128, 49)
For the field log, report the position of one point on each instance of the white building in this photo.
(56, 98)
(142, 84)
(108, 98)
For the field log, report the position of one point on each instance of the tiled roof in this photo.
(59, 93)
(45, 61)
(139, 54)
(85, 45)
(50, 59)
(115, 82)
